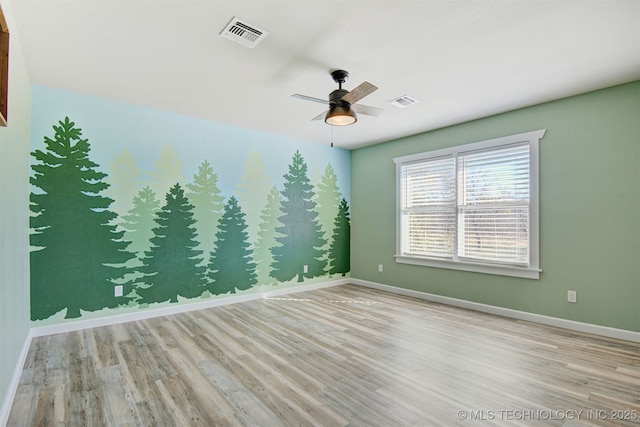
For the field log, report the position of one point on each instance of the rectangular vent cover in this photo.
(244, 33)
(403, 101)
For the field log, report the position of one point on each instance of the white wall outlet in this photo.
(305, 269)
(380, 268)
(572, 296)
(117, 291)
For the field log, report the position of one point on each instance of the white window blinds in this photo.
(493, 205)
(429, 207)
(474, 204)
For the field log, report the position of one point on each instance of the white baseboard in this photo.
(507, 312)
(15, 380)
(164, 311)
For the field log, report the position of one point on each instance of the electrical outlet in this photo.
(572, 296)
(117, 291)
(305, 269)
(380, 268)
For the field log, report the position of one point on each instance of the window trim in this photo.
(4, 70)
(532, 271)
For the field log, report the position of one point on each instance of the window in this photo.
(473, 207)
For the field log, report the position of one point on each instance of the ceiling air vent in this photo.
(403, 101)
(244, 33)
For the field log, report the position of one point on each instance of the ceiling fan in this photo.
(342, 103)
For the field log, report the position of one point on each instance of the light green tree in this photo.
(138, 226)
(327, 201)
(267, 237)
(207, 205)
(252, 192)
(124, 181)
(167, 171)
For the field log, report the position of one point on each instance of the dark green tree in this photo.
(231, 264)
(171, 264)
(301, 238)
(340, 248)
(77, 251)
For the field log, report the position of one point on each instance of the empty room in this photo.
(319, 213)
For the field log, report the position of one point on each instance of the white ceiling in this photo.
(461, 59)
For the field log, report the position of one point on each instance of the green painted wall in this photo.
(589, 211)
(14, 214)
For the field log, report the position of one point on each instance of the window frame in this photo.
(4, 70)
(532, 270)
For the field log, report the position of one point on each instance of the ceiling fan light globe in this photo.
(340, 116)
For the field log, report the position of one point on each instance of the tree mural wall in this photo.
(122, 240)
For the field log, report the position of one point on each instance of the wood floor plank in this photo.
(119, 406)
(134, 371)
(152, 412)
(339, 356)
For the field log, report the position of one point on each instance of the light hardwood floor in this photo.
(340, 356)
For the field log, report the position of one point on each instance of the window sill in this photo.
(502, 270)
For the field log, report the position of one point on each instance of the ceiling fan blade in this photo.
(310, 98)
(359, 92)
(366, 110)
(320, 116)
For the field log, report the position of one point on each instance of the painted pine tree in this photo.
(267, 237)
(138, 226)
(207, 205)
(139, 222)
(340, 248)
(231, 264)
(301, 238)
(124, 179)
(252, 192)
(171, 264)
(166, 172)
(78, 252)
(327, 200)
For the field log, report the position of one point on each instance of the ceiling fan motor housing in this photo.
(335, 97)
